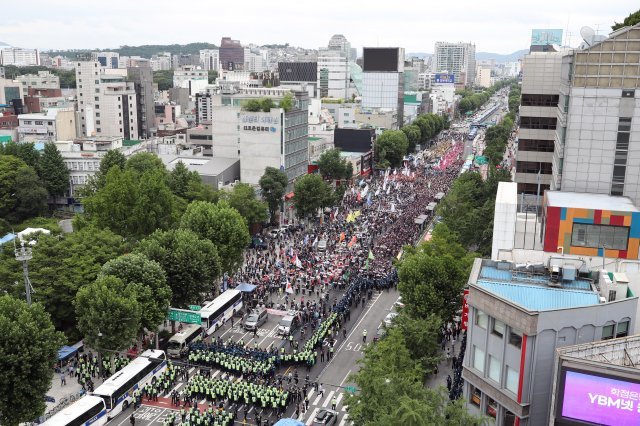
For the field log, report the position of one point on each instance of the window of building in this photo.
(623, 329)
(98, 130)
(607, 332)
(596, 236)
(543, 123)
(622, 142)
(97, 121)
(509, 418)
(533, 167)
(38, 123)
(536, 145)
(482, 319)
(97, 106)
(494, 369)
(515, 338)
(539, 100)
(512, 380)
(612, 295)
(478, 359)
(498, 328)
(476, 396)
(628, 93)
(492, 408)
(624, 124)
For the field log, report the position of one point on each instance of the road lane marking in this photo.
(326, 401)
(312, 416)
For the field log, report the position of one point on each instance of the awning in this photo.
(439, 196)
(420, 219)
(289, 196)
(246, 287)
(66, 351)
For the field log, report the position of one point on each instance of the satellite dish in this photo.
(588, 35)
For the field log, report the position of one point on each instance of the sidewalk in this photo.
(444, 368)
(59, 391)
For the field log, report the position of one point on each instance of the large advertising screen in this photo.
(380, 59)
(543, 37)
(445, 78)
(599, 399)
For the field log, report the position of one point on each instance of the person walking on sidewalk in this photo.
(364, 336)
(63, 379)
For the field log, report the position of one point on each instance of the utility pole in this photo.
(23, 254)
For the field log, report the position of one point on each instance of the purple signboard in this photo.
(601, 400)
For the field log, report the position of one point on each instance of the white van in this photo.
(322, 245)
(179, 342)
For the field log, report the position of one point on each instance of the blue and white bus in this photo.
(214, 314)
(117, 390)
(89, 410)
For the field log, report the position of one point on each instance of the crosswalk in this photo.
(318, 402)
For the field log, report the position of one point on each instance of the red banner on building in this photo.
(465, 309)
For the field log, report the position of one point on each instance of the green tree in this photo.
(224, 226)
(191, 263)
(413, 134)
(61, 264)
(273, 184)
(108, 313)
(164, 78)
(53, 171)
(629, 21)
(286, 103)
(149, 283)
(113, 158)
(31, 196)
(426, 127)
(144, 162)
(310, 194)
(421, 338)
(28, 349)
(252, 105)
(243, 198)
(25, 151)
(332, 166)
(390, 148)
(212, 76)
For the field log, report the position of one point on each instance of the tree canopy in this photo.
(390, 148)
(223, 226)
(53, 171)
(28, 348)
(332, 166)
(243, 198)
(630, 20)
(273, 184)
(191, 263)
(22, 194)
(310, 194)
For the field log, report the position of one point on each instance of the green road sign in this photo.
(351, 389)
(183, 315)
(195, 307)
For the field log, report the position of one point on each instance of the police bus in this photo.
(214, 314)
(179, 342)
(117, 390)
(89, 410)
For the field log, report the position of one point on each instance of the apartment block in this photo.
(41, 80)
(458, 59)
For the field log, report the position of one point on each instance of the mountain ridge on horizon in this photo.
(483, 56)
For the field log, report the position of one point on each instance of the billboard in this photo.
(598, 399)
(445, 78)
(382, 59)
(541, 37)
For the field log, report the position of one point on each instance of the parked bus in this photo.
(117, 390)
(214, 314)
(179, 342)
(88, 410)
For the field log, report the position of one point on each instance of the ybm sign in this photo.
(445, 78)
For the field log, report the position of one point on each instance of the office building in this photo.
(204, 107)
(190, 77)
(42, 80)
(55, 125)
(458, 59)
(210, 59)
(383, 80)
(340, 43)
(10, 90)
(254, 61)
(161, 61)
(538, 110)
(142, 79)
(483, 76)
(217, 171)
(107, 59)
(19, 57)
(231, 54)
(297, 75)
(597, 383)
(277, 138)
(1, 72)
(333, 74)
(597, 145)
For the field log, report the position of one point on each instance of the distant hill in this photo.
(512, 57)
(145, 51)
(422, 55)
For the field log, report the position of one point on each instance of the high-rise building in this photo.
(333, 74)
(597, 142)
(106, 59)
(231, 54)
(383, 79)
(190, 77)
(210, 59)
(142, 78)
(538, 109)
(19, 57)
(41, 80)
(340, 43)
(458, 59)
(299, 74)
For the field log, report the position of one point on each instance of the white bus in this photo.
(214, 314)
(117, 390)
(88, 410)
(179, 342)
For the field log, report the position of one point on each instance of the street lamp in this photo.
(100, 365)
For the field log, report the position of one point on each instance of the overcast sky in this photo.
(498, 26)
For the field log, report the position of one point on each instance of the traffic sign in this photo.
(183, 315)
(195, 307)
(351, 389)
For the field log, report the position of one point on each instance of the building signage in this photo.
(259, 129)
(32, 129)
(465, 310)
(600, 400)
(541, 37)
(445, 78)
(259, 123)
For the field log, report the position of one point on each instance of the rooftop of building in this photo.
(534, 288)
(209, 166)
(580, 200)
(623, 351)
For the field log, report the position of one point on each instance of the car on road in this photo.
(388, 320)
(326, 417)
(288, 324)
(322, 245)
(258, 243)
(255, 319)
(398, 304)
